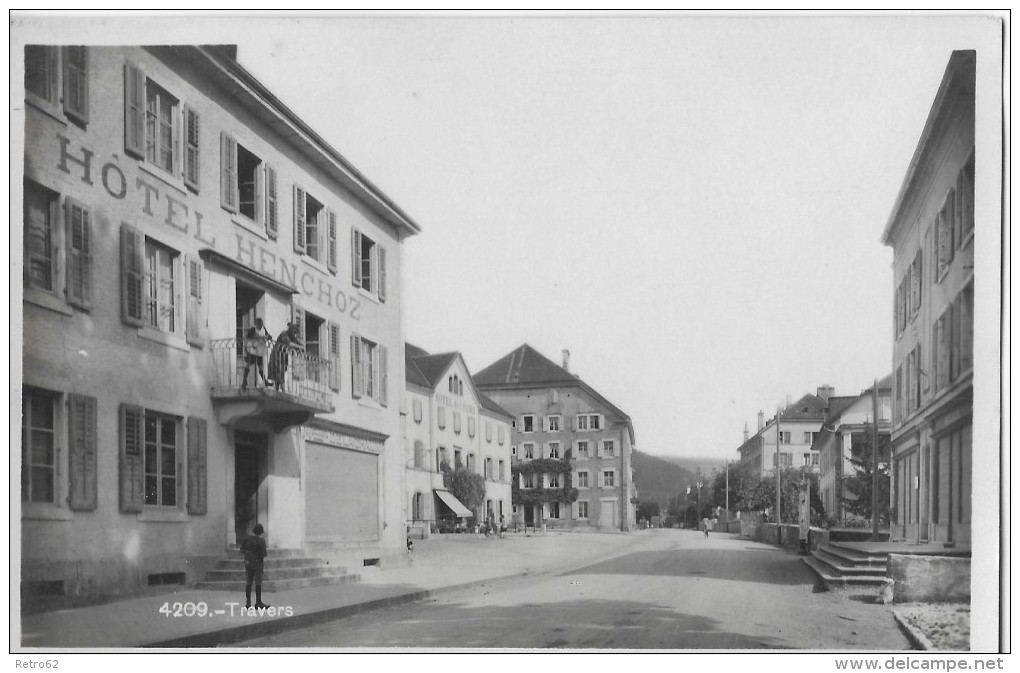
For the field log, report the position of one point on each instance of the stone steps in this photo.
(284, 569)
(833, 578)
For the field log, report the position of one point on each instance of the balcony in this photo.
(299, 391)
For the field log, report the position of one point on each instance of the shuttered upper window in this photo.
(41, 218)
(248, 185)
(159, 128)
(39, 445)
(368, 265)
(315, 229)
(45, 268)
(161, 455)
(369, 369)
(57, 78)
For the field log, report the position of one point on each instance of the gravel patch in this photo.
(946, 626)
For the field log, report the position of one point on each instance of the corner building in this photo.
(170, 200)
(931, 231)
(559, 418)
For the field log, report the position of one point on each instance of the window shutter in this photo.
(82, 428)
(357, 376)
(299, 219)
(942, 373)
(471, 426)
(382, 273)
(384, 375)
(132, 477)
(965, 197)
(954, 340)
(134, 110)
(131, 273)
(915, 284)
(419, 453)
(191, 129)
(260, 196)
(297, 316)
(501, 435)
(76, 83)
(441, 417)
(272, 215)
(79, 254)
(228, 173)
(195, 318)
(356, 257)
(331, 241)
(197, 466)
(334, 355)
(967, 328)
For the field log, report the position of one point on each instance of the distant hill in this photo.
(657, 479)
(705, 465)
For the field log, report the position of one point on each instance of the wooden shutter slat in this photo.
(356, 257)
(82, 426)
(382, 273)
(331, 241)
(357, 378)
(79, 254)
(299, 219)
(134, 110)
(197, 466)
(132, 477)
(191, 148)
(131, 274)
(333, 330)
(272, 216)
(76, 84)
(228, 173)
(195, 318)
(384, 375)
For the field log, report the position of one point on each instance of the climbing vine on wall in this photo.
(536, 496)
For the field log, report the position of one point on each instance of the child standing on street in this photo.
(254, 549)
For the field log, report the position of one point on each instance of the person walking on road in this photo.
(704, 525)
(254, 549)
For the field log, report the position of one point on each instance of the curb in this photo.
(234, 634)
(916, 638)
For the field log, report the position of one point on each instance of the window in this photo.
(965, 202)
(901, 307)
(529, 480)
(456, 458)
(582, 479)
(529, 450)
(963, 337)
(161, 473)
(248, 185)
(554, 450)
(502, 434)
(608, 448)
(441, 417)
(582, 449)
(582, 509)
(417, 411)
(488, 468)
(915, 284)
(161, 130)
(589, 422)
(553, 423)
(471, 466)
(369, 364)
(55, 75)
(488, 431)
(944, 230)
(554, 510)
(608, 478)
(785, 459)
(554, 480)
(809, 437)
(161, 283)
(513, 451)
(471, 426)
(368, 263)
(814, 459)
(529, 423)
(41, 216)
(807, 459)
(899, 392)
(456, 422)
(502, 471)
(785, 437)
(314, 229)
(39, 446)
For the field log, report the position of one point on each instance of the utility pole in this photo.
(727, 494)
(874, 462)
(779, 455)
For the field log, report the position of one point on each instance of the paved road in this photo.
(672, 590)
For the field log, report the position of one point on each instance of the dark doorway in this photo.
(529, 515)
(250, 461)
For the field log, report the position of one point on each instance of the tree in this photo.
(858, 485)
(468, 487)
(647, 509)
(760, 494)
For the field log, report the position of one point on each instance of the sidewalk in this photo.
(438, 566)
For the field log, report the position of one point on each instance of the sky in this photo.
(692, 206)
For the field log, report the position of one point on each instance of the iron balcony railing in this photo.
(289, 369)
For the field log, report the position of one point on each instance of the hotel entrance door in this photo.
(251, 504)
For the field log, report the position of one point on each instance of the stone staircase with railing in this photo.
(284, 569)
(839, 566)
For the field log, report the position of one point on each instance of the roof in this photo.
(837, 405)
(525, 367)
(220, 62)
(958, 80)
(808, 408)
(489, 405)
(411, 372)
(426, 370)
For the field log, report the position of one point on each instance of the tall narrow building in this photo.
(931, 231)
(571, 446)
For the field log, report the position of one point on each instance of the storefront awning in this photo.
(458, 508)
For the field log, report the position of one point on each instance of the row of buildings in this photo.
(925, 407)
(170, 200)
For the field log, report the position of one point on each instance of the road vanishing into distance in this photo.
(674, 589)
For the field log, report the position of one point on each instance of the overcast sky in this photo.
(692, 206)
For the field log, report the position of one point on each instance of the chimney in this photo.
(566, 359)
(746, 434)
(761, 421)
(825, 391)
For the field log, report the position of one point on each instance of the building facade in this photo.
(931, 232)
(565, 436)
(170, 200)
(447, 421)
(795, 433)
(847, 428)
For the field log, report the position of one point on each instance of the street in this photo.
(673, 589)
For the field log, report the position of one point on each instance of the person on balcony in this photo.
(256, 345)
(288, 340)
